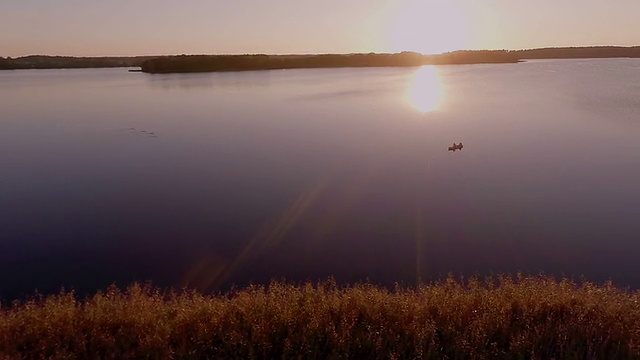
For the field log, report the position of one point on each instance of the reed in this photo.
(501, 317)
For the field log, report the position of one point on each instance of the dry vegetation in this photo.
(523, 318)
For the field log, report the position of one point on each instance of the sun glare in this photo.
(429, 27)
(425, 92)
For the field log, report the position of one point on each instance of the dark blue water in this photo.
(209, 180)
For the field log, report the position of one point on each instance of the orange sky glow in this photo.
(145, 27)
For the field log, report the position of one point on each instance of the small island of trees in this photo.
(207, 63)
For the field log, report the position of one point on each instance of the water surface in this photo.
(207, 180)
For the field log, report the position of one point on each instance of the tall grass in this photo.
(521, 318)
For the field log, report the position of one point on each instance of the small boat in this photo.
(456, 147)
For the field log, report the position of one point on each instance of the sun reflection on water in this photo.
(425, 91)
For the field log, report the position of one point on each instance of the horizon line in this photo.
(322, 53)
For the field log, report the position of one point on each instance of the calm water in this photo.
(207, 180)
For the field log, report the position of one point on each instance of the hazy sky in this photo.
(154, 27)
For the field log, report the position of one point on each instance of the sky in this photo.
(162, 27)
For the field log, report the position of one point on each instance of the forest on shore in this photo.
(195, 63)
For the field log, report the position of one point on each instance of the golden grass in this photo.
(521, 318)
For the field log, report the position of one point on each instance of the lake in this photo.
(214, 179)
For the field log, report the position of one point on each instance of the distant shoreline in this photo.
(70, 62)
(211, 63)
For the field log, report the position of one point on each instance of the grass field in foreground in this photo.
(503, 317)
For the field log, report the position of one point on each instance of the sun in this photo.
(429, 27)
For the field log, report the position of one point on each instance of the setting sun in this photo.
(429, 27)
